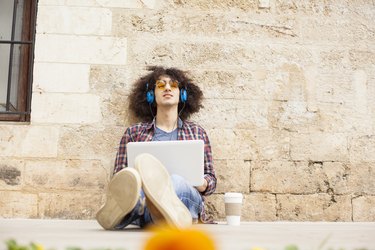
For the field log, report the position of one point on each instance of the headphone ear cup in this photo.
(150, 97)
(183, 95)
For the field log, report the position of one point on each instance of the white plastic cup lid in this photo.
(233, 195)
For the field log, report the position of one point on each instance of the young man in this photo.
(164, 99)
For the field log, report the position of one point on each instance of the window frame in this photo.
(25, 70)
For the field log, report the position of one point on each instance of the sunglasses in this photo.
(160, 84)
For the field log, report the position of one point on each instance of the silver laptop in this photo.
(184, 158)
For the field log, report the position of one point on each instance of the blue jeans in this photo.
(190, 196)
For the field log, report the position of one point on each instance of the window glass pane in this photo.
(4, 69)
(18, 51)
(15, 75)
(6, 20)
(19, 20)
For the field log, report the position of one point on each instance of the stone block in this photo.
(319, 147)
(343, 118)
(82, 49)
(361, 178)
(230, 56)
(207, 25)
(51, 2)
(11, 174)
(94, 3)
(335, 29)
(287, 177)
(339, 178)
(362, 59)
(295, 80)
(90, 143)
(257, 84)
(212, 55)
(333, 60)
(214, 205)
(70, 205)
(217, 84)
(114, 3)
(217, 5)
(65, 108)
(106, 79)
(334, 86)
(101, 3)
(127, 22)
(232, 175)
(300, 7)
(362, 148)
(272, 144)
(28, 141)
(264, 4)
(112, 84)
(233, 113)
(61, 77)
(228, 25)
(77, 20)
(293, 116)
(232, 144)
(66, 175)
(248, 144)
(314, 207)
(150, 51)
(349, 178)
(15, 204)
(259, 207)
(364, 209)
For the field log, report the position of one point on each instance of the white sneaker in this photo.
(158, 188)
(123, 194)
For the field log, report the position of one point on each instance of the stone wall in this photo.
(289, 103)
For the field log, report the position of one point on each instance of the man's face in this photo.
(167, 92)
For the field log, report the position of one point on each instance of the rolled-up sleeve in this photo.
(121, 157)
(209, 172)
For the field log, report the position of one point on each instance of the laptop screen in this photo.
(184, 158)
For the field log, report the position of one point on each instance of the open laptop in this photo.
(184, 158)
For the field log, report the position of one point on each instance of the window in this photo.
(17, 32)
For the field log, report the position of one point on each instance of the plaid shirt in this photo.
(188, 131)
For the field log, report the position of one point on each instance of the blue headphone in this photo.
(150, 96)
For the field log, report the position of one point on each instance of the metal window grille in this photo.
(17, 55)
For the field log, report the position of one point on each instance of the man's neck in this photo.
(166, 120)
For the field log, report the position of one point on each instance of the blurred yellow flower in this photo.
(175, 239)
(38, 246)
(257, 248)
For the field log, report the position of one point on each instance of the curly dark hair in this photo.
(141, 109)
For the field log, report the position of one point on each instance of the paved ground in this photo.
(87, 234)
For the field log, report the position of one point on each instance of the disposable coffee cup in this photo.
(233, 205)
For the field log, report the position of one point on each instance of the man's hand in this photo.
(203, 187)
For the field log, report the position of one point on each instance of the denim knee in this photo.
(187, 194)
(179, 184)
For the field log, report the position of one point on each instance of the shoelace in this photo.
(141, 209)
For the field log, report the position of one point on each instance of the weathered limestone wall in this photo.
(289, 107)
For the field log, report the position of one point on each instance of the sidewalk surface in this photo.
(87, 234)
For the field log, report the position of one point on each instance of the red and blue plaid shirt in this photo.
(188, 131)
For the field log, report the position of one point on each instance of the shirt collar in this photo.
(152, 124)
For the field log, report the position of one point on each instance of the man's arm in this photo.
(209, 184)
(203, 187)
(121, 157)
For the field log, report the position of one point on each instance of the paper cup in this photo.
(233, 205)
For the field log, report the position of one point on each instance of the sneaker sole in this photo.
(122, 196)
(158, 188)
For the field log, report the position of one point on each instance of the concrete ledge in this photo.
(87, 234)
